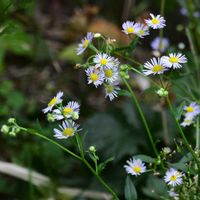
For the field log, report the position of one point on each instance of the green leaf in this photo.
(145, 158)
(124, 93)
(183, 167)
(130, 191)
(188, 157)
(102, 165)
(179, 110)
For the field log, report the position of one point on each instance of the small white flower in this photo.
(95, 76)
(160, 45)
(188, 120)
(103, 60)
(155, 66)
(67, 129)
(142, 30)
(55, 100)
(84, 43)
(156, 22)
(135, 167)
(173, 177)
(111, 91)
(174, 60)
(111, 75)
(172, 193)
(192, 110)
(130, 28)
(71, 109)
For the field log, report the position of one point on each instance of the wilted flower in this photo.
(84, 43)
(56, 100)
(173, 177)
(159, 44)
(156, 22)
(135, 167)
(95, 76)
(130, 28)
(174, 60)
(67, 129)
(155, 66)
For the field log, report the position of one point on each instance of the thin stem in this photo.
(142, 116)
(198, 134)
(162, 8)
(183, 135)
(33, 132)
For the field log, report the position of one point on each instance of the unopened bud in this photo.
(5, 129)
(166, 150)
(50, 117)
(92, 149)
(75, 116)
(162, 92)
(11, 120)
(97, 35)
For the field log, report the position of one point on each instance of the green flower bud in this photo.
(92, 149)
(162, 92)
(75, 116)
(11, 120)
(12, 133)
(5, 129)
(166, 150)
(127, 76)
(123, 67)
(50, 117)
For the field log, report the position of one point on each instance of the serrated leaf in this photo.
(145, 158)
(129, 190)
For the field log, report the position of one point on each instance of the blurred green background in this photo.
(38, 42)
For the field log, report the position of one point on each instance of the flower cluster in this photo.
(191, 111)
(67, 113)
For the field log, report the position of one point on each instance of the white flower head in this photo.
(135, 167)
(55, 100)
(95, 76)
(160, 44)
(67, 129)
(103, 60)
(174, 60)
(142, 30)
(188, 120)
(111, 91)
(173, 194)
(130, 28)
(192, 110)
(156, 22)
(155, 66)
(68, 111)
(173, 177)
(84, 43)
(111, 75)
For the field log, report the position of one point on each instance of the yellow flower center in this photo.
(190, 109)
(67, 111)
(155, 21)
(173, 178)
(173, 59)
(157, 68)
(103, 61)
(130, 30)
(137, 169)
(68, 132)
(52, 102)
(85, 43)
(109, 89)
(187, 120)
(108, 73)
(141, 32)
(94, 77)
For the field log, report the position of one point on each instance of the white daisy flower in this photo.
(84, 43)
(160, 45)
(172, 193)
(55, 100)
(188, 120)
(155, 66)
(135, 167)
(173, 177)
(142, 30)
(95, 76)
(103, 60)
(70, 110)
(155, 22)
(192, 110)
(111, 91)
(67, 129)
(174, 60)
(130, 28)
(111, 75)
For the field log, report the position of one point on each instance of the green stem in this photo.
(143, 119)
(183, 135)
(197, 134)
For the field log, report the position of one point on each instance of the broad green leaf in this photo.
(129, 190)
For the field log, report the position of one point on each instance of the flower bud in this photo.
(11, 120)
(123, 67)
(12, 133)
(92, 149)
(97, 35)
(75, 116)
(162, 92)
(5, 129)
(166, 150)
(50, 117)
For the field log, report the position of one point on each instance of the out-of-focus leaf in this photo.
(129, 190)
(188, 157)
(145, 158)
(179, 110)
(6, 87)
(124, 93)
(102, 165)
(183, 167)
